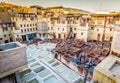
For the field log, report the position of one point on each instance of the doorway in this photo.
(6, 41)
(111, 38)
(98, 37)
(59, 36)
(24, 37)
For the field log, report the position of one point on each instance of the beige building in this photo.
(108, 71)
(26, 24)
(6, 26)
(36, 10)
(102, 25)
(60, 21)
(6, 32)
(97, 26)
(6, 14)
(67, 24)
(42, 30)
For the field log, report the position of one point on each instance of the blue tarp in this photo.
(73, 60)
(31, 36)
(91, 69)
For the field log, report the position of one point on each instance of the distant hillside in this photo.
(15, 7)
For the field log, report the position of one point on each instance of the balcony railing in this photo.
(83, 24)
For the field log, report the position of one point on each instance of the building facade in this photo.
(102, 25)
(42, 30)
(60, 22)
(26, 26)
(6, 32)
(108, 70)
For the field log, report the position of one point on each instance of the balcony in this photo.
(83, 24)
(12, 58)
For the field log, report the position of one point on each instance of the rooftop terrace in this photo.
(108, 69)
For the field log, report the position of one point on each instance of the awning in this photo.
(31, 36)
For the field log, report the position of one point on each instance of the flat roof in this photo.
(107, 66)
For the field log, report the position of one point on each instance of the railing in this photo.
(83, 24)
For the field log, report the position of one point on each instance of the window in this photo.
(2, 10)
(21, 25)
(25, 30)
(74, 35)
(63, 29)
(58, 28)
(92, 28)
(71, 29)
(48, 28)
(28, 30)
(59, 35)
(40, 35)
(31, 29)
(17, 35)
(110, 29)
(4, 35)
(74, 28)
(30, 25)
(81, 33)
(97, 29)
(24, 25)
(27, 25)
(21, 30)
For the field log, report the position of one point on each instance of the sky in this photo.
(89, 5)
